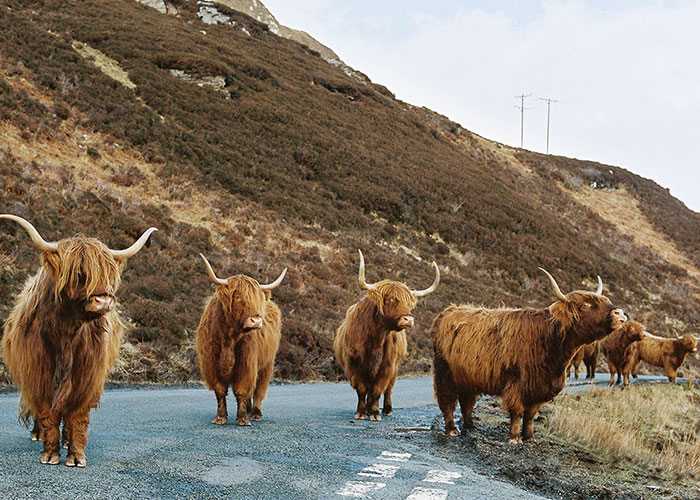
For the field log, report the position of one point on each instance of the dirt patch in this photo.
(555, 467)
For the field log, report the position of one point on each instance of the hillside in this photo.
(254, 150)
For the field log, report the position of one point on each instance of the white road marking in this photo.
(427, 494)
(394, 457)
(441, 476)
(358, 489)
(379, 470)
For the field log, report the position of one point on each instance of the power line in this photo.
(549, 102)
(522, 114)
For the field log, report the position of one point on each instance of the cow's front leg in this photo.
(373, 396)
(36, 430)
(388, 408)
(242, 413)
(49, 422)
(221, 412)
(361, 412)
(528, 417)
(76, 425)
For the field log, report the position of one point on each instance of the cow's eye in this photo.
(585, 305)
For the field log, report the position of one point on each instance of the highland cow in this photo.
(668, 354)
(237, 341)
(63, 336)
(371, 340)
(589, 355)
(616, 344)
(519, 354)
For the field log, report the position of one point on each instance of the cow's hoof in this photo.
(243, 422)
(220, 421)
(65, 445)
(48, 458)
(376, 417)
(453, 433)
(360, 416)
(387, 411)
(515, 441)
(256, 415)
(34, 436)
(528, 439)
(73, 461)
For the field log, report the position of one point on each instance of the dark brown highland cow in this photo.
(616, 344)
(63, 336)
(668, 354)
(371, 340)
(519, 354)
(589, 355)
(237, 341)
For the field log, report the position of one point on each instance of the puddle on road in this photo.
(233, 471)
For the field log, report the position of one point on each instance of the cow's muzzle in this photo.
(100, 303)
(405, 322)
(618, 317)
(253, 323)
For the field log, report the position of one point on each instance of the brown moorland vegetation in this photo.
(291, 163)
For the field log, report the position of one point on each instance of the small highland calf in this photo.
(519, 354)
(589, 355)
(63, 336)
(237, 341)
(616, 344)
(371, 340)
(668, 354)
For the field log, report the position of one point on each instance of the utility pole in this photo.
(549, 102)
(522, 114)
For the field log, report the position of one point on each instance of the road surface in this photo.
(160, 444)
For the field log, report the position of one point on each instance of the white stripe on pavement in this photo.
(394, 457)
(358, 489)
(441, 476)
(379, 470)
(427, 494)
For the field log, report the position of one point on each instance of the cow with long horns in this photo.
(371, 340)
(519, 354)
(237, 341)
(63, 336)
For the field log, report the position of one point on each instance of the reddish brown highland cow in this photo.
(616, 344)
(237, 341)
(668, 354)
(589, 355)
(519, 354)
(371, 340)
(62, 337)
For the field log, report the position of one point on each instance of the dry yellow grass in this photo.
(652, 424)
(619, 207)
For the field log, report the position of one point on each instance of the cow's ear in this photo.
(268, 294)
(51, 262)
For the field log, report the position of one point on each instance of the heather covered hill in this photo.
(255, 151)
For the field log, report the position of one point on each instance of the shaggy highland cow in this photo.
(519, 354)
(371, 340)
(63, 336)
(237, 341)
(616, 344)
(668, 354)
(589, 355)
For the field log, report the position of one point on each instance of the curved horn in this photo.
(43, 245)
(600, 286)
(213, 277)
(431, 288)
(361, 277)
(138, 245)
(557, 291)
(275, 283)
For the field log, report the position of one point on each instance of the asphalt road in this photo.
(160, 444)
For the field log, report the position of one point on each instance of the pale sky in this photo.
(626, 73)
